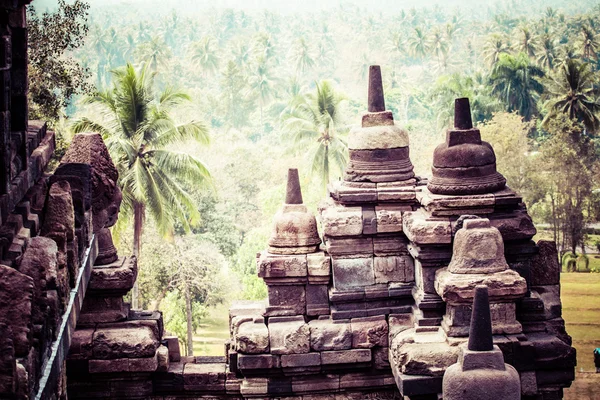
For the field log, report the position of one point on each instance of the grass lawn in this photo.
(210, 339)
(580, 293)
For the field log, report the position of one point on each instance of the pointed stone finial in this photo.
(480, 334)
(294, 193)
(462, 114)
(376, 99)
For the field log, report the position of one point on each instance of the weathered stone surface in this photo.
(346, 356)
(390, 245)
(459, 288)
(114, 341)
(59, 217)
(289, 299)
(317, 300)
(377, 137)
(389, 219)
(252, 337)
(162, 357)
(281, 266)
(369, 332)
(349, 247)
(352, 272)
(205, 377)
(319, 267)
(289, 335)
(107, 252)
(118, 277)
(545, 267)
(423, 230)
(16, 294)
(8, 366)
(319, 383)
(254, 386)
(89, 148)
(294, 228)
(81, 345)
(478, 249)
(393, 269)
(425, 358)
(39, 259)
(300, 360)
(257, 361)
(342, 221)
(326, 334)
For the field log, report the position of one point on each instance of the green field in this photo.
(581, 311)
(214, 331)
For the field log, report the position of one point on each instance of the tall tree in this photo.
(526, 42)
(495, 45)
(204, 54)
(140, 134)
(547, 52)
(315, 127)
(418, 43)
(574, 91)
(302, 57)
(589, 44)
(53, 76)
(263, 84)
(515, 81)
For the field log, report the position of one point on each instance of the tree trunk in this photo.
(326, 167)
(138, 224)
(188, 314)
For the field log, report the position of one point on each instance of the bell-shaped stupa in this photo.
(464, 164)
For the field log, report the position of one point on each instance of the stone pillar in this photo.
(481, 373)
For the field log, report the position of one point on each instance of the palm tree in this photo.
(155, 53)
(495, 45)
(263, 84)
(547, 55)
(301, 56)
(204, 54)
(589, 44)
(514, 82)
(315, 127)
(573, 90)
(439, 47)
(361, 66)
(418, 43)
(140, 135)
(526, 42)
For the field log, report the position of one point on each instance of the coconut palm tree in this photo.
(547, 56)
(514, 81)
(574, 91)
(418, 43)
(140, 134)
(263, 83)
(301, 56)
(155, 53)
(315, 128)
(588, 44)
(495, 45)
(204, 54)
(526, 42)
